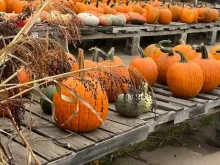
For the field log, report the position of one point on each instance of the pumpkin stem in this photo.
(143, 55)
(183, 58)
(165, 50)
(197, 48)
(81, 61)
(217, 51)
(182, 42)
(108, 2)
(127, 2)
(110, 55)
(204, 51)
(97, 4)
(164, 42)
(96, 54)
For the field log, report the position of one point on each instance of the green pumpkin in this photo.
(129, 105)
(49, 92)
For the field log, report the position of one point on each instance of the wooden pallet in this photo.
(201, 25)
(53, 145)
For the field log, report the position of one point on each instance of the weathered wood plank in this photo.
(198, 100)
(168, 106)
(106, 147)
(133, 122)
(147, 116)
(18, 152)
(175, 100)
(98, 135)
(45, 128)
(114, 127)
(43, 146)
(207, 96)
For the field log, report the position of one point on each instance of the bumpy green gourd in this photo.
(49, 93)
(129, 105)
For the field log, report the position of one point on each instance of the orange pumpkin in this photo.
(165, 16)
(187, 15)
(215, 14)
(163, 64)
(116, 79)
(215, 51)
(9, 5)
(2, 6)
(153, 51)
(18, 6)
(146, 66)
(210, 69)
(153, 15)
(184, 78)
(207, 16)
(91, 91)
(176, 11)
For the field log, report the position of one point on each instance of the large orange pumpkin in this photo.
(215, 51)
(163, 64)
(146, 66)
(88, 89)
(210, 69)
(184, 78)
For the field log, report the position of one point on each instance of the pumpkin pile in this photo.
(117, 13)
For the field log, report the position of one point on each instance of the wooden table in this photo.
(55, 146)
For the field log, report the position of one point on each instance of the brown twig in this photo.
(23, 139)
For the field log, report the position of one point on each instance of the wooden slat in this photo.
(198, 100)
(43, 146)
(175, 100)
(98, 135)
(147, 116)
(168, 106)
(207, 96)
(18, 152)
(162, 91)
(45, 128)
(114, 127)
(215, 92)
(133, 122)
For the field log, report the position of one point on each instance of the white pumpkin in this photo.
(117, 20)
(89, 19)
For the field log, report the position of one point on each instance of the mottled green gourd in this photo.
(49, 93)
(126, 104)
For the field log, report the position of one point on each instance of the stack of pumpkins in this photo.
(185, 69)
(117, 13)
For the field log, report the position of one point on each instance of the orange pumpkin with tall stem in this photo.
(146, 66)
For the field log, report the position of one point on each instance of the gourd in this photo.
(117, 20)
(89, 19)
(89, 90)
(146, 66)
(49, 93)
(184, 78)
(132, 105)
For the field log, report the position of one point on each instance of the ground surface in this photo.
(196, 152)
